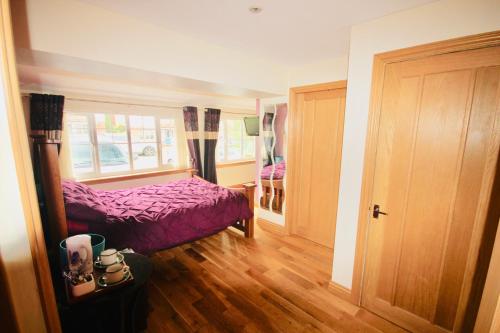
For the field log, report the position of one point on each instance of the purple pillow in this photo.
(82, 203)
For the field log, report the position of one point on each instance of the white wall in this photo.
(15, 252)
(334, 69)
(235, 175)
(76, 29)
(433, 22)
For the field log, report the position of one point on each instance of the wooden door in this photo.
(318, 118)
(436, 156)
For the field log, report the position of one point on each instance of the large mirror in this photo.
(273, 153)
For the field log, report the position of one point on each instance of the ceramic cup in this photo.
(115, 273)
(108, 257)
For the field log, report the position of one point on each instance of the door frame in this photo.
(24, 170)
(294, 141)
(484, 40)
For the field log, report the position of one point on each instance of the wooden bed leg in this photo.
(249, 228)
(250, 194)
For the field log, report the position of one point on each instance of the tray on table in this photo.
(97, 273)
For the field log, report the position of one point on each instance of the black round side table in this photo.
(124, 310)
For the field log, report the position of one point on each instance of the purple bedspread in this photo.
(155, 217)
(279, 172)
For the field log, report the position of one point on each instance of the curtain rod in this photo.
(139, 104)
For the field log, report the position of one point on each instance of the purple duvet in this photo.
(155, 217)
(279, 171)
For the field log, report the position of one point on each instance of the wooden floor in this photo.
(226, 283)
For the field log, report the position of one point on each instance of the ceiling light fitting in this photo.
(255, 10)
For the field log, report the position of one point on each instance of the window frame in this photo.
(224, 119)
(180, 144)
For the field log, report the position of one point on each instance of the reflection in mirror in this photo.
(274, 165)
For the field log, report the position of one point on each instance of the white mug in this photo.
(115, 273)
(108, 257)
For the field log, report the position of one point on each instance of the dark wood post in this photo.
(50, 175)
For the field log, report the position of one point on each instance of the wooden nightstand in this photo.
(122, 310)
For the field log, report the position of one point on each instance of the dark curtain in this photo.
(212, 118)
(267, 127)
(46, 116)
(192, 135)
(46, 119)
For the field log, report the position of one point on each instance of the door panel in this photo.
(321, 114)
(485, 105)
(436, 157)
(324, 196)
(396, 123)
(306, 160)
(436, 139)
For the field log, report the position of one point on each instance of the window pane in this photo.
(169, 153)
(248, 146)
(234, 139)
(113, 157)
(111, 128)
(144, 155)
(144, 143)
(112, 142)
(142, 129)
(220, 148)
(80, 145)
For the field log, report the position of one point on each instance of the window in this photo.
(112, 142)
(248, 145)
(104, 144)
(144, 143)
(82, 149)
(233, 143)
(220, 149)
(169, 154)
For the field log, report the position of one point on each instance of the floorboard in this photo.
(271, 283)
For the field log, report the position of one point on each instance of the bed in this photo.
(279, 171)
(268, 177)
(155, 217)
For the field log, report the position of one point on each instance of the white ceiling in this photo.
(290, 32)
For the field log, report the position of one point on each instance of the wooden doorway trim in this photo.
(380, 61)
(24, 170)
(294, 142)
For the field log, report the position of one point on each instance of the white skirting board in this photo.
(267, 215)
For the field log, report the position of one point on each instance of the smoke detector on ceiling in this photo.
(255, 10)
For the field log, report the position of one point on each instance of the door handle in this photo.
(377, 211)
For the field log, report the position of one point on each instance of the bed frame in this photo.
(248, 189)
(279, 194)
(47, 154)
